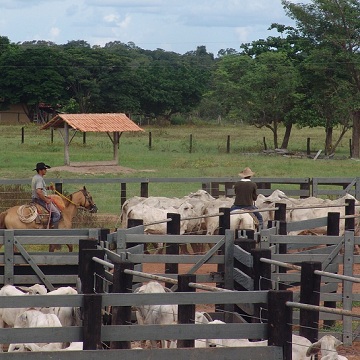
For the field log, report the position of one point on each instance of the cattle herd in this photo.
(302, 348)
(199, 211)
(39, 317)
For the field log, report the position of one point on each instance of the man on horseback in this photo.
(39, 194)
(246, 194)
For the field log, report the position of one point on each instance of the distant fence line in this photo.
(223, 186)
(191, 139)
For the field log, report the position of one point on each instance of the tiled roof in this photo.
(94, 122)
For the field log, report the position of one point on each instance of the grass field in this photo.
(169, 156)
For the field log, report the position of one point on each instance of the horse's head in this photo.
(88, 201)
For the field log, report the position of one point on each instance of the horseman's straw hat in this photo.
(246, 173)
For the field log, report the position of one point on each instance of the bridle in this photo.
(92, 206)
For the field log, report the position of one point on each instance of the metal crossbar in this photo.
(322, 309)
(161, 278)
(316, 272)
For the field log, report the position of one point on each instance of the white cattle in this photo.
(161, 202)
(267, 202)
(68, 316)
(190, 207)
(313, 208)
(327, 345)
(155, 314)
(128, 204)
(200, 195)
(202, 317)
(8, 315)
(300, 344)
(212, 213)
(74, 346)
(155, 219)
(32, 318)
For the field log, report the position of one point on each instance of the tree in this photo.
(259, 91)
(294, 47)
(333, 26)
(328, 100)
(29, 76)
(171, 83)
(80, 67)
(119, 84)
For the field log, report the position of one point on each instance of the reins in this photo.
(66, 198)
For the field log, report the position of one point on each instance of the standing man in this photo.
(246, 194)
(39, 194)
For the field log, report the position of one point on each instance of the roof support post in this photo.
(66, 144)
(116, 146)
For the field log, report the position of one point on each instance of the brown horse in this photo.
(10, 218)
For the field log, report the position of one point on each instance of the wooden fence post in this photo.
(228, 144)
(121, 315)
(224, 223)
(350, 210)
(144, 189)
(82, 269)
(280, 215)
(92, 321)
(224, 220)
(103, 233)
(333, 229)
(186, 313)
(122, 193)
(58, 187)
(333, 224)
(173, 228)
(191, 144)
(309, 294)
(9, 270)
(280, 321)
(229, 271)
(262, 281)
(87, 270)
(150, 140)
(350, 149)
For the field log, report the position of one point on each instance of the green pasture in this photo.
(170, 157)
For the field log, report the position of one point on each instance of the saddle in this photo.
(33, 212)
(36, 212)
(255, 219)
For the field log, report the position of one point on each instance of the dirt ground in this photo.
(97, 168)
(351, 352)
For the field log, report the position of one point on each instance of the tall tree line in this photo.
(308, 75)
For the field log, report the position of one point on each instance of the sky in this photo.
(171, 25)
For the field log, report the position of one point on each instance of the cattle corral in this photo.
(229, 262)
(126, 238)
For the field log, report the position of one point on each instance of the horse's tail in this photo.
(2, 219)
